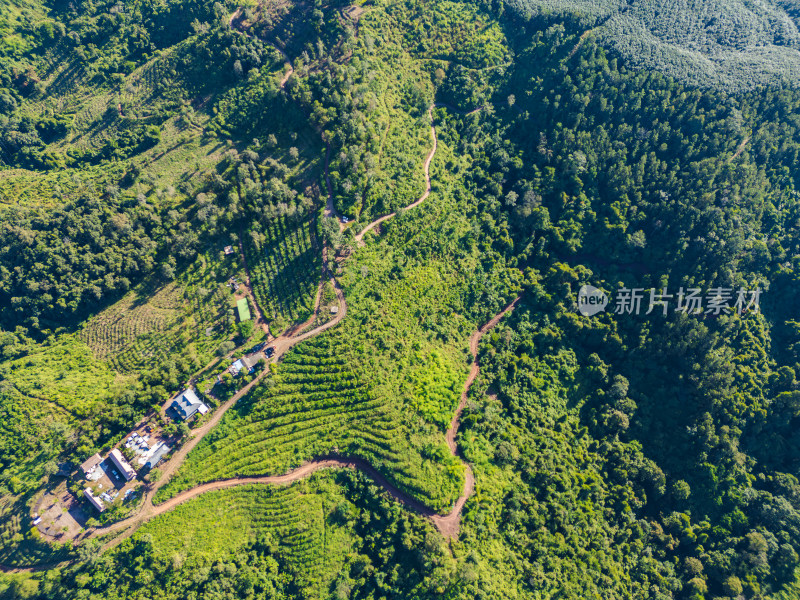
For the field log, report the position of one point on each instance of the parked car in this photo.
(269, 352)
(257, 348)
(345, 219)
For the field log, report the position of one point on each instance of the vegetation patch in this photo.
(65, 373)
(435, 389)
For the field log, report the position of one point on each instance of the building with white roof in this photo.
(119, 461)
(95, 501)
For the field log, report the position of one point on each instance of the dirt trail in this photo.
(359, 237)
(740, 149)
(416, 203)
(448, 525)
(584, 35)
(287, 63)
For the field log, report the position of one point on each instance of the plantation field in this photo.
(189, 317)
(65, 79)
(728, 44)
(296, 518)
(111, 331)
(285, 269)
(140, 123)
(182, 154)
(315, 405)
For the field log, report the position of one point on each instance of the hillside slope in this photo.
(374, 182)
(733, 44)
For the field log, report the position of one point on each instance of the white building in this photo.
(122, 464)
(94, 500)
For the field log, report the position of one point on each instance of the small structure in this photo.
(237, 366)
(228, 250)
(187, 404)
(161, 451)
(244, 309)
(334, 310)
(94, 500)
(119, 461)
(90, 464)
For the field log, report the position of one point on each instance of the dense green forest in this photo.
(726, 44)
(643, 145)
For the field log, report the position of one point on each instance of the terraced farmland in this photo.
(117, 327)
(147, 327)
(285, 269)
(295, 518)
(317, 404)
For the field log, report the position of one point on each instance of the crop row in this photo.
(318, 402)
(292, 519)
(133, 335)
(285, 269)
(310, 410)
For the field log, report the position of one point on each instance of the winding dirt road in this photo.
(448, 524)
(425, 194)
